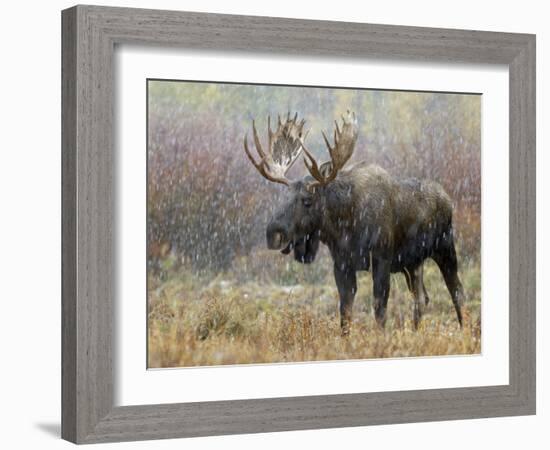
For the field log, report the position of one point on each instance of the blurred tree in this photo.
(206, 204)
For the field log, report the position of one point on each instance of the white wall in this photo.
(30, 221)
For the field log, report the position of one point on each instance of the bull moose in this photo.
(368, 219)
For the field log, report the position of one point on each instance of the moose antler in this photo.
(284, 147)
(340, 152)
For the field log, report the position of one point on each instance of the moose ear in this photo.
(326, 168)
(306, 248)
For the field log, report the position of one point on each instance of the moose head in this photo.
(297, 224)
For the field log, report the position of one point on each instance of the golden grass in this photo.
(238, 320)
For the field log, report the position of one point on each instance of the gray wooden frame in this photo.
(89, 37)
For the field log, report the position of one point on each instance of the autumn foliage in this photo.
(207, 209)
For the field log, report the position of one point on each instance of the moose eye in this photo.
(306, 201)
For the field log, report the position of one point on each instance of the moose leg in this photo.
(346, 283)
(417, 284)
(426, 297)
(381, 289)
(446, 260)
(407, 272)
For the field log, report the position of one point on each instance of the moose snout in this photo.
(277, 236)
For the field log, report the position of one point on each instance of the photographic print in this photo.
(290, 224)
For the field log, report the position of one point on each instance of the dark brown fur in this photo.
(371, 221)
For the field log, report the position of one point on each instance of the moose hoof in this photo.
(417, 318)
(381, 322)
(345, 329)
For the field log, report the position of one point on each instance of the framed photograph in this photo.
(279, 224)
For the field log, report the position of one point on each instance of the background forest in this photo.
(216, 295)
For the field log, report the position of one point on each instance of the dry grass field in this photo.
(269, 309)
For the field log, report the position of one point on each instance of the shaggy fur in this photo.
(371, 221)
